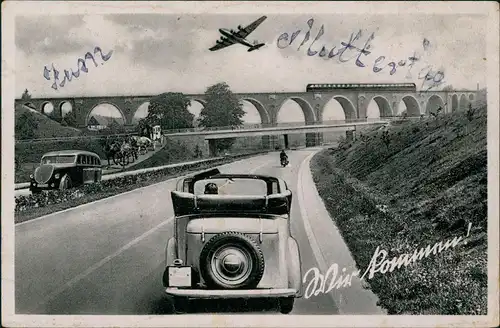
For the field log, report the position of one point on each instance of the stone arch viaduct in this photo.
(354, 102)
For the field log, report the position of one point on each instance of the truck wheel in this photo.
(65, 183)
(286, 304)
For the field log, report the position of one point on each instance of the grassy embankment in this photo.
(432, 178)
(173, 152)
(47, 128)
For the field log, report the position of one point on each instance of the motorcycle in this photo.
(284, 161)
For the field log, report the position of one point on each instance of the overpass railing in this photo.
(276, 125)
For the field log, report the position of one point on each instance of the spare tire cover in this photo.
(231, 260)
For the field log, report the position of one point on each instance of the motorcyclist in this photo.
(283, 156)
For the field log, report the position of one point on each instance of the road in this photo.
(107, 257)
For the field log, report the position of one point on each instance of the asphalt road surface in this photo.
(108, 257)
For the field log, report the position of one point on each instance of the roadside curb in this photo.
(329, 247)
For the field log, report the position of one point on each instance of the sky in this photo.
(156, 53)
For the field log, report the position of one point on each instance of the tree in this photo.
(17, 163)
(386, 138)
(115, 127)
(197, 152)
(170, 111)
(26, 95)
(26, 126)
(449, 87)
(53, 116)
(144, 128)
(222, 108)
(470, 113)
(363, 138)
(70, 119)
(436, 114)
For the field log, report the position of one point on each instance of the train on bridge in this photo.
(319, 87)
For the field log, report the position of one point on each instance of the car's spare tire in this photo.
(231, 260)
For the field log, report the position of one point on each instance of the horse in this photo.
(133, 143)
(128, 150)
(119, 151)
(142, 143)
(110, 149)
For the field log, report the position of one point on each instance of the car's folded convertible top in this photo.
(186, 203)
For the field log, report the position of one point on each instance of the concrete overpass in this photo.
(313, 132)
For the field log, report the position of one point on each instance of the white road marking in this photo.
(108, 258)
(260, 166)
(307, 225)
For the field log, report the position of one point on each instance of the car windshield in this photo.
(58, 159)
(243, 187)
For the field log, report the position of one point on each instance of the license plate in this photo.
(179, 276)
(42, 185)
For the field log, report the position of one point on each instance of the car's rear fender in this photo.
(170, 252)
(294, 268)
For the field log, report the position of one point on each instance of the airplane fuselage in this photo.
(231, 36)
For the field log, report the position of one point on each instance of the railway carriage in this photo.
(325, 87)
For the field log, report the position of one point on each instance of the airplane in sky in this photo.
(230, 37)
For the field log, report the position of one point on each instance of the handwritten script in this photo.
(348, 51)
(81, 66)
(379, 263)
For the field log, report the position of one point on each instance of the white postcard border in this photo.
(11, 9)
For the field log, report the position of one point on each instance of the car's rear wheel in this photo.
(286, 304)
(231, 260)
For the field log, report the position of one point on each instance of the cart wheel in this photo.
(116, 158)
(124, 160)
(286, 304)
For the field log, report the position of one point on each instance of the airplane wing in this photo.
(244, 32)
(223, 43)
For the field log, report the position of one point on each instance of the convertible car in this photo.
(232, 239)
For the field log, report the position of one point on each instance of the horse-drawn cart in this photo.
(127, 151)
(124, 157)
